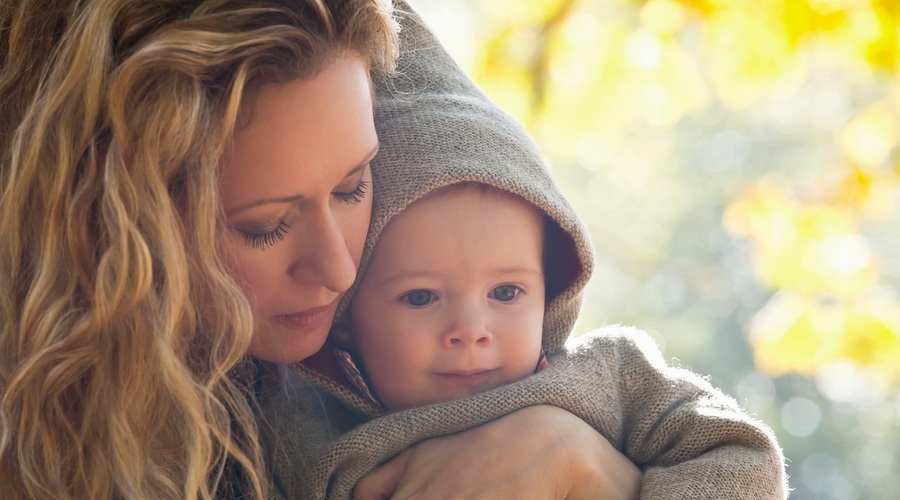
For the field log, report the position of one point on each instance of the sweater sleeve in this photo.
(690, 440)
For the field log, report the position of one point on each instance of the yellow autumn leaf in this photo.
(870, 137)
(804, 334)
(807, 247)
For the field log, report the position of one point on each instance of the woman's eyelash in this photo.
(267, 239)
(354, 196)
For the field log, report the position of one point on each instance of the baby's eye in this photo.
(418, 298)
(505, 293)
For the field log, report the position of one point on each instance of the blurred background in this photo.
(737, 163)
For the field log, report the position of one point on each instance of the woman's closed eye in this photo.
(265, 239)
(356, 195)
(505, 293)
(419, 298)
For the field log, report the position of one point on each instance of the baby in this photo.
(452, 302)
(451, 305)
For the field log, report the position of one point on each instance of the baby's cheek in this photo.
(529, 352)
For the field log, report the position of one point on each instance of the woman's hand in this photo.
(540, 452)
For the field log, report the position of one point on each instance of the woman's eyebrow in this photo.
(357, 170)
(363, 164)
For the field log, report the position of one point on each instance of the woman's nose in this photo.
(467, 329)
(322, 256)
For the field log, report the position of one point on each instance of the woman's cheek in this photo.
(355, 226)
(254, 270)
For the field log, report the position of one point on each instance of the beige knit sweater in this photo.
(436, 129)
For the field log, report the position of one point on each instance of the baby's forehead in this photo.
(450, 225)
(474, 192)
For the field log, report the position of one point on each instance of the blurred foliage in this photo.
(737, 164)
(567, 66)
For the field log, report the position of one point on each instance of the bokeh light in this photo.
(801, 417)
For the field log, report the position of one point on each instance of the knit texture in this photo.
(690, 440)
(436, 129)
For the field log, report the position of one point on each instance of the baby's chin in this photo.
(452, 387)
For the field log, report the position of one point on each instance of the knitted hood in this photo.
(436, 128)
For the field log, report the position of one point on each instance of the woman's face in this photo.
(296, 189)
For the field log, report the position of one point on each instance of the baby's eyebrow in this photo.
(408, 275)
(519, 270)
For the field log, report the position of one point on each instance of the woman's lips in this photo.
(307, 320)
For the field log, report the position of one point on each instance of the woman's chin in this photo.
(285, 345)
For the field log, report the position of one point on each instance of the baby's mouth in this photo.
(471, 378)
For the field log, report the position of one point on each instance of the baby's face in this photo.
(452, 302)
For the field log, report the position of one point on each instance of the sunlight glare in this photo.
(644, 49)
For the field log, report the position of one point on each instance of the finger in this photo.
(381, 483)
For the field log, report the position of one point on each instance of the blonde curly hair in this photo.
(119, 324)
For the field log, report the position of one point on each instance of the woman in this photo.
(133, 281)
(121, 321)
